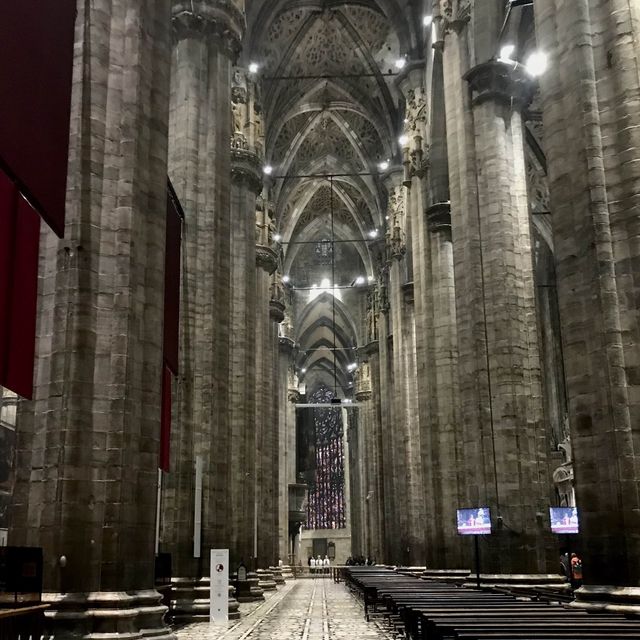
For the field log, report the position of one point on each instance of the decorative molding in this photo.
(439, 217)
(266, 258)
(246, 167)
(219, 21)
(501, 82)
(276, 310)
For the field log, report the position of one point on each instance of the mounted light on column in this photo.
(267, 169)
(400, 63)
(373, 233)
(254, 67)
(427, 21)
(286, 279)
(537, 63)
(277, 237)
(383, 166)
(506, 53)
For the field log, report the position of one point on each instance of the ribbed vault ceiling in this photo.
(331, 107)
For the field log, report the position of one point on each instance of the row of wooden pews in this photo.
(426, 610)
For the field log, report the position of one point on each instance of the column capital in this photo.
(266, 258)
(439, 217)
(218, 20)
(364, 395)
(293, 395)
(245, 166)
(276, 310)
(501, 82)
(407, 290)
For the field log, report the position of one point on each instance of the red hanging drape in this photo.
(36, 64)
(19, 243)
(171, 318)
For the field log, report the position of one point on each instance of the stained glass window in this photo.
(326, 509)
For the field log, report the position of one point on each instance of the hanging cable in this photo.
(333, 284)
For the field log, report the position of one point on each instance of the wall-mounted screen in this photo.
(474, 522)
(564, 519)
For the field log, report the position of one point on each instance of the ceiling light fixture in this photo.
(253, 67)
(383, 166)
(373, 233)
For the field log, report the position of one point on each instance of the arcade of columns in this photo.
(457, 384)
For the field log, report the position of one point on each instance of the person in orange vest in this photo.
(576, 571)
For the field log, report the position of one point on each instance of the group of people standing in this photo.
(319, 565)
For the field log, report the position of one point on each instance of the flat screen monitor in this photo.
(474, 522)
(564, 519)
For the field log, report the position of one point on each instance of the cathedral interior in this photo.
(306, 277)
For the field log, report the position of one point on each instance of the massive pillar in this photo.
(88, 443)
(592, 134)
(206, 40)
(406, 452)
(503, 433)
(246, 184)
(269, 312)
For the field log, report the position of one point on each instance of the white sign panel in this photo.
(219, 594)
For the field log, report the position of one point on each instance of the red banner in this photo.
(19, 244)
(172, 282)
(165, 419)
(36, 64)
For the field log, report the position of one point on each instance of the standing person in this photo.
(576, 571)
(312, 564)
(327, 564)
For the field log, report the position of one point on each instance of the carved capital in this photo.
(245, 168)
(501, 82)
(266, 258)
(439, 217)
(363, 396)
(293, 395)
(218, 21)
(276, 310)
(407, 291)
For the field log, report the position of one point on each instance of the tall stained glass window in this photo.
(327, 509)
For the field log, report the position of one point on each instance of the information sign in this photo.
(219, 590)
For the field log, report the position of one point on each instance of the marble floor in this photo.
(303, 609)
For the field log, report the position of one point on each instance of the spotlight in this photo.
(383, 166)
(286, 279)
(267, 169)
(400, 62)
(403, 140)
(427, 20)
(352, 366)
(360, 280)
(371, 278)
(507, 51)
(253, 67)
(373, 233)
(277, 237)
(537, 63)
(303, 371)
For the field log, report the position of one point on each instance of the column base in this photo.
(277, 575)
(519, 580)
(287, 572)
(98, 615)
(454, 576)
(265, 580)
(248, 590)
(190, 601)
(608, 599)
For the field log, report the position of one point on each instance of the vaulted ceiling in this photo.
(331, 108)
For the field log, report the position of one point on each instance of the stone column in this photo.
(444, 437)
(590, 94)
(206, 41)
(389, 505)
(406, 452)
(266, 443)
(503, 432)
(88, 443)
(246, 184)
